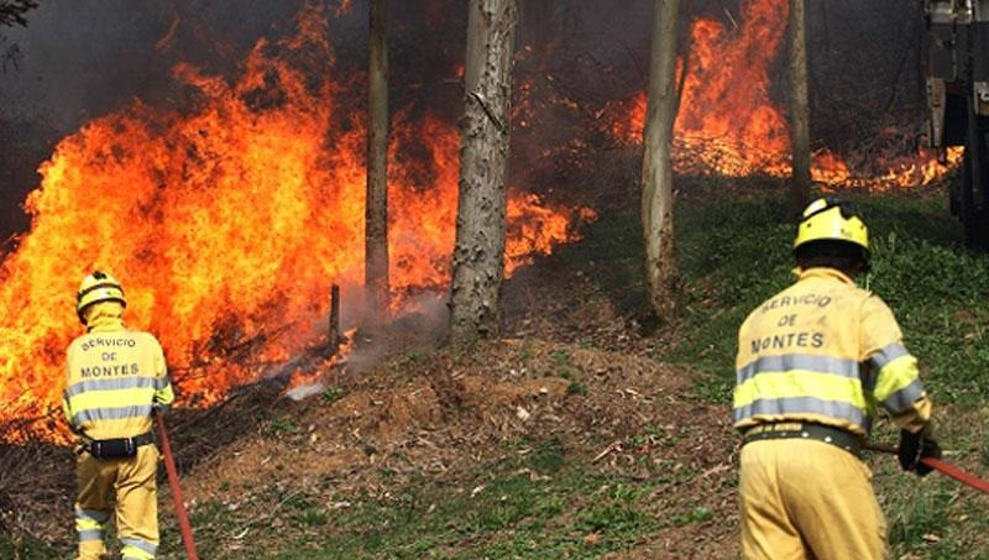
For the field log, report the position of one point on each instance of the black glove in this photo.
(914, 447)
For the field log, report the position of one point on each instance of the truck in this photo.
(957, 84)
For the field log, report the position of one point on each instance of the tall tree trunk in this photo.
(799, 111)
(479, 253)
(376, 208)
(657, 166)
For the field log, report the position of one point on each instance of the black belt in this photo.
(805, 430)
(117, 448)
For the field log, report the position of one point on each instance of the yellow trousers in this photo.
(133, 484)
(806, 499)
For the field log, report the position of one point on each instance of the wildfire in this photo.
(304, 380)
(728, 126)
(228, 224)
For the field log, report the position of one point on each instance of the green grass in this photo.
(25, 548)
(735, 253)
(510, 514)
(935, 518)
(543, 505)
(331, 394)
(283, 424)
(938, 291)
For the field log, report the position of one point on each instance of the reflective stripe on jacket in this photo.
(824, 350)
(115, 376)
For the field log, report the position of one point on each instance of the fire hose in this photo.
(173, 481)
(944, 467)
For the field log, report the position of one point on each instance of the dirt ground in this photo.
(446, 414)
(576, 370)
(442, 414)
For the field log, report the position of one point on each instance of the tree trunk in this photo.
(376, 208)
(479, 252)
(657, 167)
(799, 112)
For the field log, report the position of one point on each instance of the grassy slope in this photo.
(547, 515)
(940, 295)
(938, 291)
(734, 254)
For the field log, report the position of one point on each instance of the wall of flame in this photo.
(228, 223)
(728, 124)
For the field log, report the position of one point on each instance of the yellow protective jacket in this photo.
(824, 350)
(115, 376)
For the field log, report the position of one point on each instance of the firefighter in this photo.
(814, 363)
(116, 380)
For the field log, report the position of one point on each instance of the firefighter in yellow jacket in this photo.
(116, 379)
(814, 363)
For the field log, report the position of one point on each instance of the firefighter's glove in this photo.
(913, 448)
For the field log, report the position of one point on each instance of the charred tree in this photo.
(376, 205)
(657, 166)
(484, 131)
(799, 111)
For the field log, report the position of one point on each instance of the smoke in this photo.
(86, 59)
(421, 324)
(81, 60)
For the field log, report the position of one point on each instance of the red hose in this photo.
(173, 481)
(943, 466)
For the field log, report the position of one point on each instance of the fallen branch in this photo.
(615, 446)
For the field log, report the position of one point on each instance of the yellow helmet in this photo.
(828, 219)
(97, 287)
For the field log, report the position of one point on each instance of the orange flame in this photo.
(301, 377)
(728, 126)
(228, 224)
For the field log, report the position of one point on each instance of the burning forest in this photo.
(727, 124)
(231, 221)
(232, 216)
(414, 266)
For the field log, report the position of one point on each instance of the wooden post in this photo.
(334, 334)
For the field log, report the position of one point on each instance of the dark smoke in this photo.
(85, 59)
